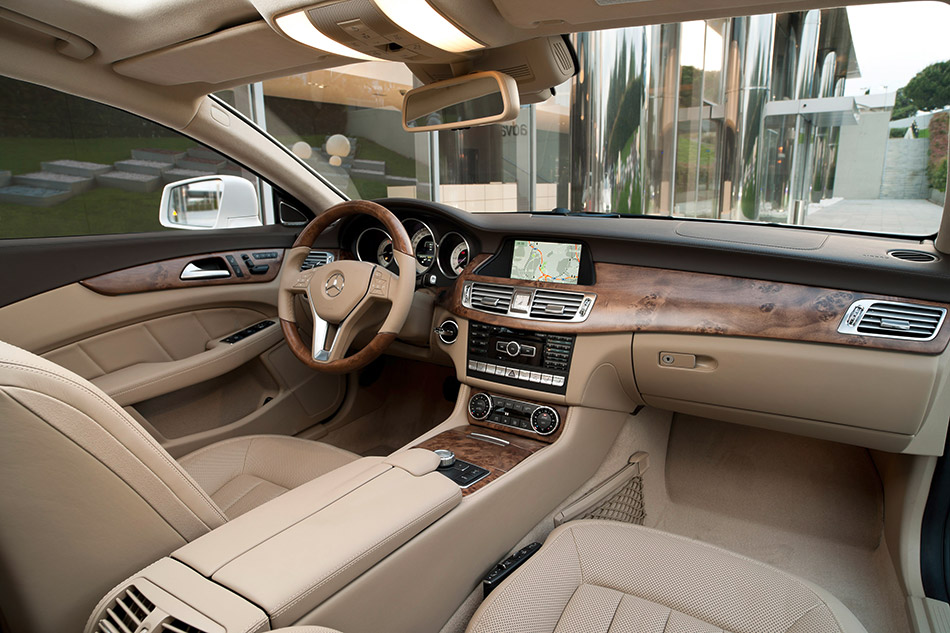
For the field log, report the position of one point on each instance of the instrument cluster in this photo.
(446, 253)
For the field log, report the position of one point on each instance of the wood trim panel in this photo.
(497, 459)
(165, 275)
(547, 439)
(640, 299)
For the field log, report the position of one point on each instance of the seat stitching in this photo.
(822, 604)
(669, 614)
(133, 427)
(564, 610)
(303, 594)
(249, 491)
(616, 609)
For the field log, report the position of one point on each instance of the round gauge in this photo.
(423, 244)
(384, 252)
(374, 245)
(454, 254)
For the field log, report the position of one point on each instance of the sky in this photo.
(894, 42)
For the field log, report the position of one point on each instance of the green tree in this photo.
(928, 90)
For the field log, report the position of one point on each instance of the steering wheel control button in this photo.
(380, 284)
(480, 406)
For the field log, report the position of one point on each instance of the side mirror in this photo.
(476, 99)
(209, 202)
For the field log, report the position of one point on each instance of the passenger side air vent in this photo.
(174, 625)
(127, 613)
(890, 319)
(315, 259)
(491, 297)
(913, 256)
(555, 304)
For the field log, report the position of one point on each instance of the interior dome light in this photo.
(420, 19)
(299, 27)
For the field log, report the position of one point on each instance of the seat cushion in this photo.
(242, 473)
(606, 577)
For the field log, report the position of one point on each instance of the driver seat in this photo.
(88, 497)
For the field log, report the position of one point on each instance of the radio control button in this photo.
(499, 370)
(558, 381)
(547, 379)
(513, 348)
(480, 366)
(489, 368)
(535, 376)
(524, 374)
(471, 364)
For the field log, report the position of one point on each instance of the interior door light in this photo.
(299, 27)
(419, 18)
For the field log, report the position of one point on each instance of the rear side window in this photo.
(70, 166)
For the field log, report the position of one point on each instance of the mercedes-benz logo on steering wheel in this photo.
(335, 285)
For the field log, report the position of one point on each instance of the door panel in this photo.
(158, 351)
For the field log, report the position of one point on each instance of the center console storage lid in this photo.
(289, 555)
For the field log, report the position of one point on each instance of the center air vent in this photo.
(491, 297)
(315, 259)
(126, 613)
(890, 319)
(525, 302)
(913, 256)
(555, 304)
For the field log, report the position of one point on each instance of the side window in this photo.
(69, 166)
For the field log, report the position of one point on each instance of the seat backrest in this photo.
(87, 496)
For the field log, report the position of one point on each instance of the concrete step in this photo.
(159, 155)
(130, 181)
(33, 196)
(75, 168)
(370, 165)
(401, 181)
(49, 180)
(5, 178)
(200, 164)
(173, 175)
(150, 167)
(205, 153)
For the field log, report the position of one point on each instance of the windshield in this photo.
(832, 118)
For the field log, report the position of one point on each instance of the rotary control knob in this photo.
(544, 420)
(513, 348)
(480, 406)
(446, 457)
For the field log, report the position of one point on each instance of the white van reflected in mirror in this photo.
(476, 99)
(209, 202)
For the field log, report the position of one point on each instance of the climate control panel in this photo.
(517, 414)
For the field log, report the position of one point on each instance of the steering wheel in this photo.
(341, 292)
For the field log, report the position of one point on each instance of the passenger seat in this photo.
(606, 577)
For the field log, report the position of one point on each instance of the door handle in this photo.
(192, 272)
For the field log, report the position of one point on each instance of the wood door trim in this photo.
(165, 275)
(641, 299)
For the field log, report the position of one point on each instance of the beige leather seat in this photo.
(88, 497)
(600, 577)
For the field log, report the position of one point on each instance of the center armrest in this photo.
(290, 554)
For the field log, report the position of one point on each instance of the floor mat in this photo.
(809, 507)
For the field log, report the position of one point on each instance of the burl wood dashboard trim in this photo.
(166, 274)
(497, 459)
(640, 299)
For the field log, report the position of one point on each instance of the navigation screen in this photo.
(553, 262)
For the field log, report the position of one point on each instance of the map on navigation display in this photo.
(546, 261)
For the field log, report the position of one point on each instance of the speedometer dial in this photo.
(454, 255)
(423, 244)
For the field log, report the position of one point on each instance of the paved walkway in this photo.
(910, 217)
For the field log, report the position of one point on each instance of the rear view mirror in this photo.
(476, 99)
(209, 202)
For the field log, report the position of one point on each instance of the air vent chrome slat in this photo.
(523, 302)
(890, 319)
(124, 615)
(316, 259)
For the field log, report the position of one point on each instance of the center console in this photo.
(521, 358)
